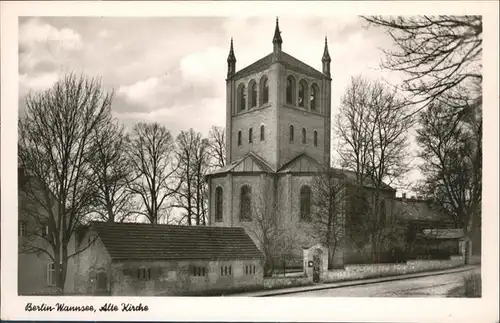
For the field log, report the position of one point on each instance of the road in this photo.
(430, 286)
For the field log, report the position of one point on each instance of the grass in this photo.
(471, 287)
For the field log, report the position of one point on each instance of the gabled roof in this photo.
(285, 58)
(256, 66)
(250, 162)
(158, 241)
(290, 60)
(411, 209)
(368, 183)
(301, 163)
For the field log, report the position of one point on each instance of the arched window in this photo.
(218, 204)
(304, 136)
(239, 138)
(315, 138)
(262, 133)
(382, 213)
(242, 97)
(290, 90)
(253, 94)
(250, 135)
(313, 98)
(302, 93)
(246, 203)
(291, 133)
(264, 90)
(305, 203)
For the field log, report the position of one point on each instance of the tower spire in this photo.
(231, 57)
(231, 60)
(326, 59)
(326, 55)
(277, 41)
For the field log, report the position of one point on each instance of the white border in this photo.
(253, 309)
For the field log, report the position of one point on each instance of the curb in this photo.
(368, 281)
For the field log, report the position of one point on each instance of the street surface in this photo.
(430, 286)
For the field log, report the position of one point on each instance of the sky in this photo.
(172, 69)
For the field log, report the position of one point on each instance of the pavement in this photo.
(314, 290)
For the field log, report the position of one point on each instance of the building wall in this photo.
(32, 273)
(168, 277)
(254, 119)
(176, 277)
(89, 263)
(300, 119)
(265, 114)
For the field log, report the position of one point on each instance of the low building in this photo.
(430, 232)
(138, 259)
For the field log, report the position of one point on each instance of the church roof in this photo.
(301, 163)
(251, 162)
(159, 241)
(418, 209)
(368, 183)
(288, 60)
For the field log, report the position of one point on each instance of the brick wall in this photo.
(265, 114)
(299, 119)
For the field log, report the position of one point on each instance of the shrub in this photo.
(472, 285)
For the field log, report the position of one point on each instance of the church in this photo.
(278, 121)
(278, 137)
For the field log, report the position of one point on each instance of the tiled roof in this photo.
(285, 58)
(418, 210)
(367, 182)
(158, 241)
(256, 66)
(290, 60)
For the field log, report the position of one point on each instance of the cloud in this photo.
(43, 51)
(204, 67)
(165, 69)
(34, 32)
(177, 87)
(40, 82)
(105, 33)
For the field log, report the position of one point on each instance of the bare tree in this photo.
(217, 146)
(150, 153)
(328, 222)
(111, 172)
(437, 53)
(372, 128)
(273, 232)
(192, 159)
(55, 136)
(451, 150)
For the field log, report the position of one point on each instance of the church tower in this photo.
(278, 107)
(277, 138)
